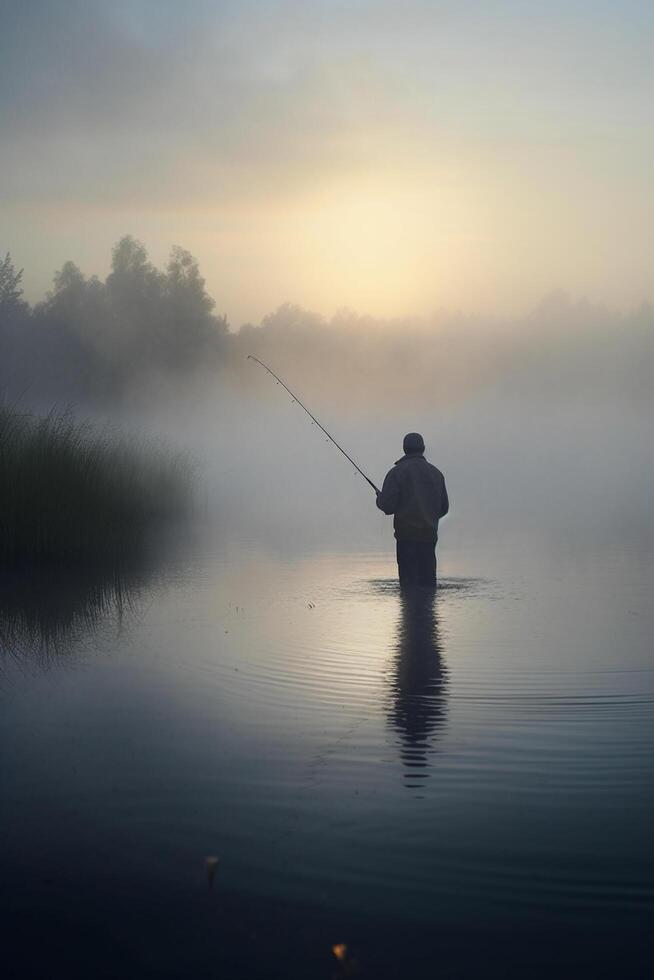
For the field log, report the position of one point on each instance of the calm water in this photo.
(460, 788)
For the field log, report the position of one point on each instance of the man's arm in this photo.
(445, 501)
(389, 497)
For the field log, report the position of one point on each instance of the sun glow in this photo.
(385, 246)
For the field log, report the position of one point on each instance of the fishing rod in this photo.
(295, 398)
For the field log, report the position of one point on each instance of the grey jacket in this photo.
(414, 491)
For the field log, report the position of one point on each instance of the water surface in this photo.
(459, 787)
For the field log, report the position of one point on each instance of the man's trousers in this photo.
(416, 561)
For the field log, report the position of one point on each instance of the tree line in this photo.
(90, 340)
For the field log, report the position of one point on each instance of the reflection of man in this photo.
(418, 685)
(414, 491)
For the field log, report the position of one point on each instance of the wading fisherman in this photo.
(414, 492)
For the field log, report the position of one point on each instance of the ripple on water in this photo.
(379, 587)
(435, 766)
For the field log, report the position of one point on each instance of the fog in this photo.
(473, 155)
(515, 470)
(540, 423)
(230, 714)
(433, 218)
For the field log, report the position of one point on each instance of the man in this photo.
(414, 491)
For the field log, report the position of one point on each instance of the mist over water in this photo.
(562, 471)
(230, 745)
(443, 780)
(540, 422)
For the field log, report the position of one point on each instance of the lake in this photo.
(456, 787)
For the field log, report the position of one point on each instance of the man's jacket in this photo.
(414, 491)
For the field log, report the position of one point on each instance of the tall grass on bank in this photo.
(71, 492)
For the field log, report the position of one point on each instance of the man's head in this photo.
(413, 444)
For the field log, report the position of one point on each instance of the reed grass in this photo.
(70, 491)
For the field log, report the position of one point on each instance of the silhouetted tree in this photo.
(10, 288)
(65, 327)
(14, 328)
(95, 340)
(193, 330)
(161, 320)
(90, 339)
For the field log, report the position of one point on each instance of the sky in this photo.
(390, 158)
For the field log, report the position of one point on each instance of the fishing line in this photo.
(295, 398)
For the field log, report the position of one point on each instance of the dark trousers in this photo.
(416, 562)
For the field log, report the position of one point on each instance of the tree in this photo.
(93, 339)
(136, 302)
(192, 328)
(129, 256)
(15, 324)
(10, 288)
